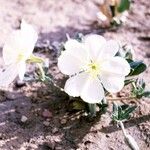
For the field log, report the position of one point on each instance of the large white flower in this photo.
(91, 66)
(17, 50)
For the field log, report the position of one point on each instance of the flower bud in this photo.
(131, 142)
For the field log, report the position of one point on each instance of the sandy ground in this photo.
(61, 129)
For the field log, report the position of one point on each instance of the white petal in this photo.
(68, 64)
(112, 83)
(20, 42)
(73, 59)
(116, 65)
(92, 91)
(94, 43)
(29, 37)
(109, 49)
(78, 49)
(75, 84)
(11, 47)
(72, 45)
(21, 70)
(8, 75)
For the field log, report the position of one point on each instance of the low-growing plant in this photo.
(113, 12)
(96, 68)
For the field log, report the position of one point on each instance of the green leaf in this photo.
(138, 89)
(126, 82)
(124, 5)
(77, 105)
(103, 107)
(146, 94)
(92, 109)
(129, 61)
(127, 112)
(120, 113)
(124, 106)
(137, 68)
(123, 112)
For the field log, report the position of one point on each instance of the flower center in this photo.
(94, 69)
(21, 57)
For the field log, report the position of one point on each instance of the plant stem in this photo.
(92, 109)
(122, 127)
(42, 71)
(55, 85)
(122, 98)
(134, 86)
(128, 138)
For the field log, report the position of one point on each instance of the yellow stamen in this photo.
(94, 69)
(21, 57)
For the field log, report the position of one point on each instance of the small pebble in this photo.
(107, 136)
(55, 130)
(24, 119)
(63, 121)
(46, 123)
(46, 113)
(58, 148)
(1, 136)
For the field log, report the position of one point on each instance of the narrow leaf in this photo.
(137, 68)
(124, 5)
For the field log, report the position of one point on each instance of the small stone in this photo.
(57, 139)
(46, 123)
(48, 119)
(46, 113)
(24, 119)
(55, 130)
(58, 148)
(1, 136)
(107, 136)
(63, 121)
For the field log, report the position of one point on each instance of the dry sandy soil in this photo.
(61, 129)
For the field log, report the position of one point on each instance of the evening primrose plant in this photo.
(17, 52)
(113, 12)
(93, 68)
(96, 68)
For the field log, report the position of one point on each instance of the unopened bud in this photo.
(131, 142)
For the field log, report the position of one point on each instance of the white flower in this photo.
(17, 49)
(91, 66)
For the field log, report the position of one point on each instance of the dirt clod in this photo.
(24, 119)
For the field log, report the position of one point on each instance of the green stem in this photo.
(35, 59)
(55, 85)
(92, 109)
(122, 128)
(42, 71)
(134, 86)
(122, 98)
